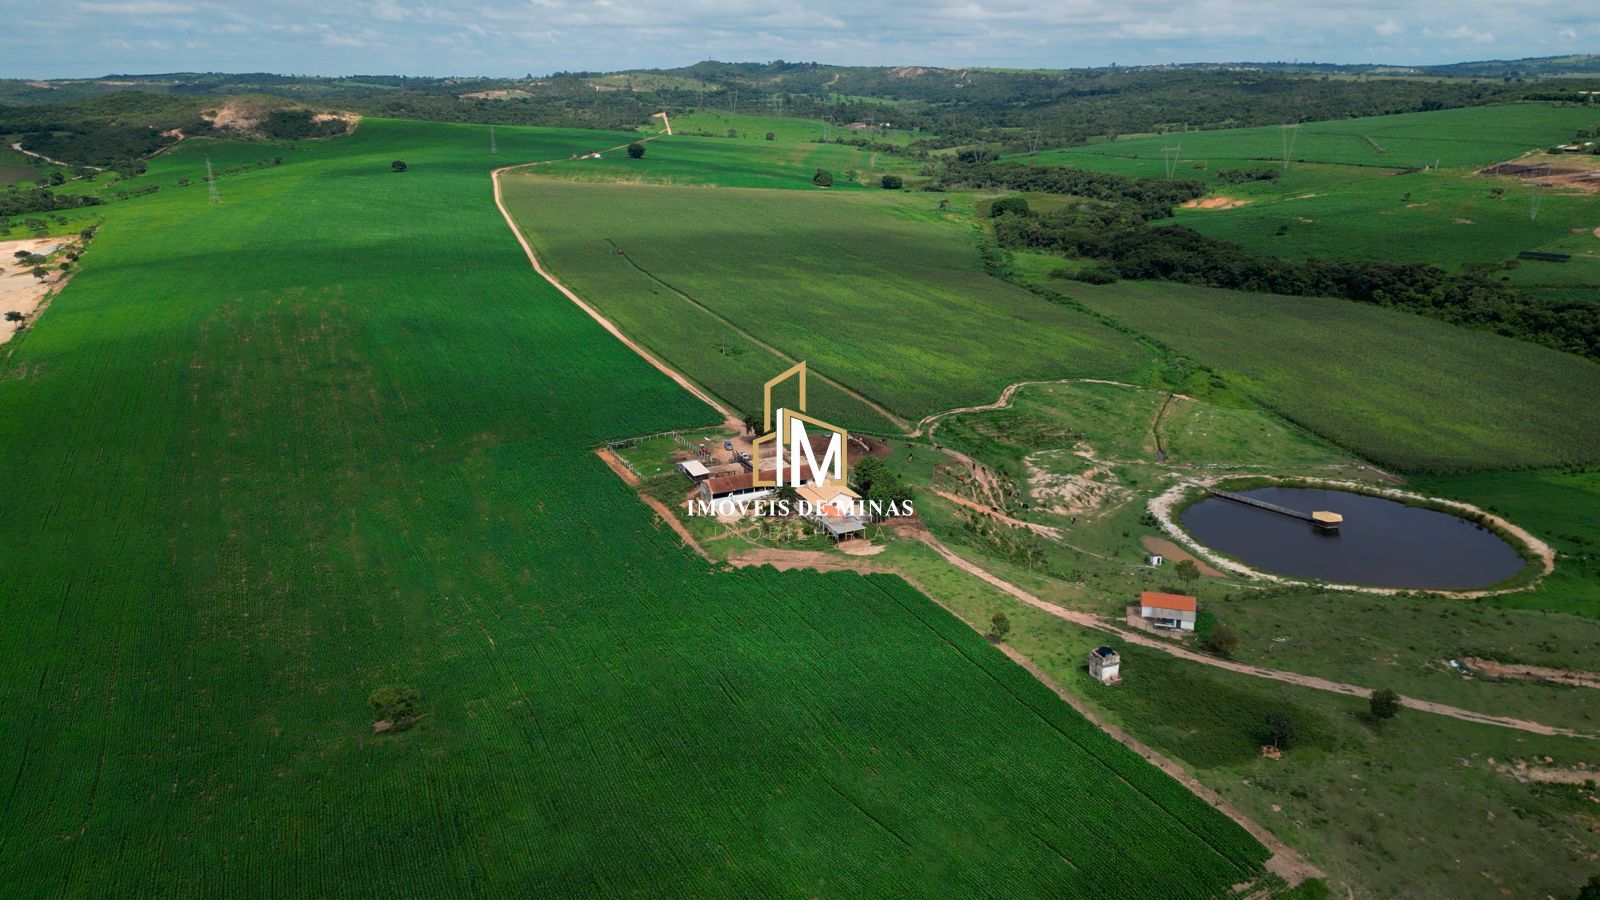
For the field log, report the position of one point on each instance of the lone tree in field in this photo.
(41, 273)
(771, 136)
(398, 165)
(892, 183)
(1282, 731)
(1385, 705)
(635, 150)
(999, 626)
(1590, 889)
(397, 705)
(823, 178)
(1188, 572)
(1221, 640)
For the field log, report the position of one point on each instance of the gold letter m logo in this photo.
(792, 444)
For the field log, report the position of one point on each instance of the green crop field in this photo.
(1403, 390)
(880, 290)
(334, 433)
(1451, 138)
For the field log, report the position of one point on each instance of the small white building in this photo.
(1153, 560)
(1175, 611)
(1105, 666)
(695, 469)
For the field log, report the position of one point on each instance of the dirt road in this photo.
(54, 162)
(1036, 528)
(1310, 681)
(730, 419)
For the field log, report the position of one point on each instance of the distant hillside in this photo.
(941, 107)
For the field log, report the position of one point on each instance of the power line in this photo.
(211, 182)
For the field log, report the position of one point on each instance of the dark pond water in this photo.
(1382, 543)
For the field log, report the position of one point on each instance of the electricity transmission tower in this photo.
(1291, 130)
(211, 183)
(1033, 142)
(1539, 184)
(493, 150)
(1171, 153)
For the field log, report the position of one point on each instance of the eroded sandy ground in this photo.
(19, 290)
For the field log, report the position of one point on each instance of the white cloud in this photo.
(515, 36)
(1463, 33)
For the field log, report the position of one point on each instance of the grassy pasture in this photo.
(728, 162)
(1447, 219)
(10, 172)
(1342, 200)
(334, 433)
(1405, 391)
(879, 290)
(1452, 138)
(1413, 808)
(784, 129)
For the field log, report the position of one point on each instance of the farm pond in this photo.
(1381, 543)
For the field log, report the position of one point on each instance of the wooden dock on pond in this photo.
(1329, 521)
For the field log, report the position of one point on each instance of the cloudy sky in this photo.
(450, 37)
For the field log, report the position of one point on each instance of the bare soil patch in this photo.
(1073, 495)
(1221, 202)
(1582, 773)
(1575, 171)
(20, 292)
(1177, 554)
(1490, 668)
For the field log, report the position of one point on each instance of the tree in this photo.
(1221, 640)
(635, 150)
(999, 626)
(40, 272)
(787, 495)
(1187, 571)
(823, 178)
(398, 165)
(58, 177)
(868, 471)
(395, 703)
(1014, 205)
(1590, 889)
(1384, 705)
(892, 182)
(1282, 730)
(752, 423)
(771, 136)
